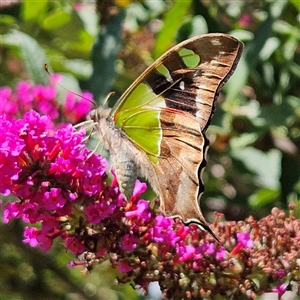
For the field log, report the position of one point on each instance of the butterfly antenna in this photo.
(86, 124)
(74, 93)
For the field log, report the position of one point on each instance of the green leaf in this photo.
(269, 48)
(135, 14)
(63, 25)
(56, 19)
(290, 175)
(294, 103)
(283, 27)
(81, 68)
(172, 22)
(297, 209)
(220, 122)
(276, 115)
(33, 56)
(104, 55)
(157, 7)
(263, 197)
(32, 10)
(6, 23)
(263, 33)
(89, 19)
(204, 9)
(290, 47)
(244, 140)
(295, 69)
(268, 74)
(296, 4)
(192, 27)
(237, 81)
(266, 166)
(82, 44)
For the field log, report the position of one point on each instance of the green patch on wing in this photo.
(163, 70)
(189, 57)
(140, 96)
(142, 126)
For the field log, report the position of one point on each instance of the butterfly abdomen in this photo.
(126, 171)
(122, 154)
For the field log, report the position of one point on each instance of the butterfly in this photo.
(158, 125)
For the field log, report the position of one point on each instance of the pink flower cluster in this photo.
(63, 191)
(47, 173)
(61, 185)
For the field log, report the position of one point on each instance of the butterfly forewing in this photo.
(188, 77)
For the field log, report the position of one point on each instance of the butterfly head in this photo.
(99, 113)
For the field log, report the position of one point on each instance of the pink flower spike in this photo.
(142, 211)
(280, 290)
(236, 249)
(129, 242)
(92, 213)
(72, 264)
(221, 254)
(44, 240)
(74, 245)
(244, 239)
(124, 266)
(139, 188)
(211, 249)
(54, 199)
(30, 234)
(185, 252)
(12, 211)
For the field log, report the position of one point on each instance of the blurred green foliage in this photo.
(254, 158)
